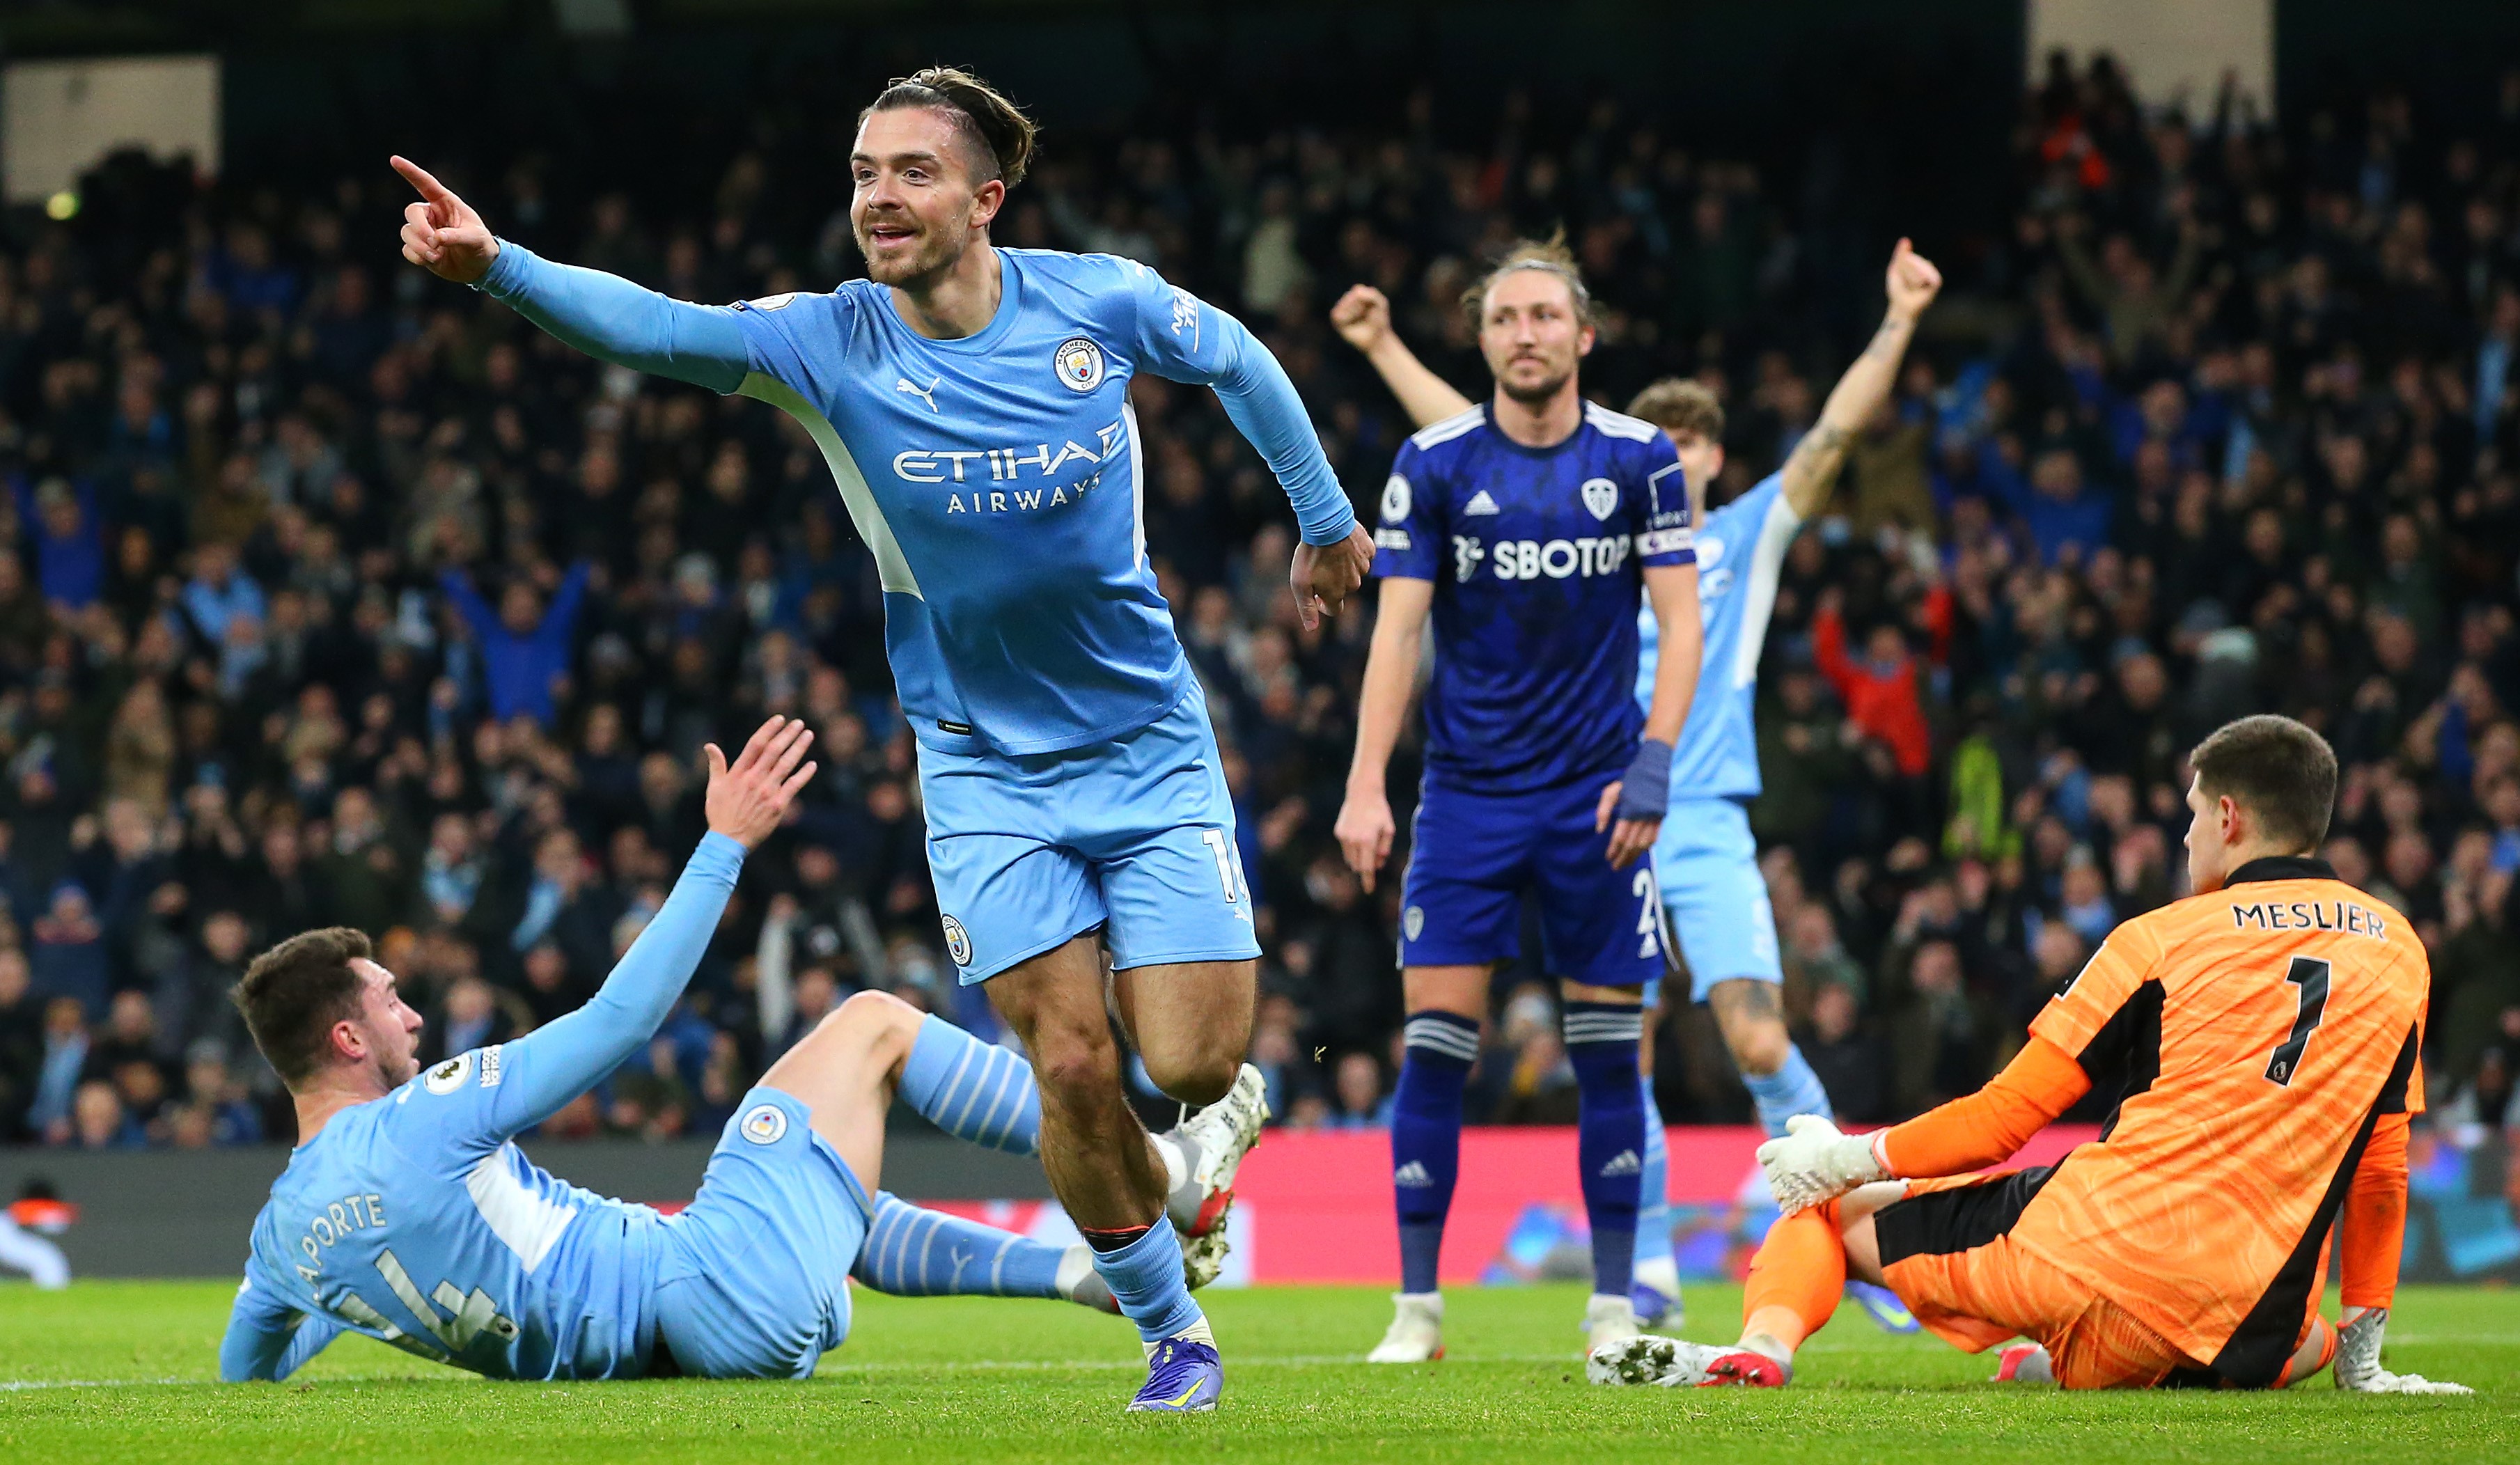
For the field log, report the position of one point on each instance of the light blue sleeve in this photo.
(475, 1102)
(611, 318)
(267, 1338)
(1181, 337)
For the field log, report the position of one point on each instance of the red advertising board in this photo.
(1315, 1206)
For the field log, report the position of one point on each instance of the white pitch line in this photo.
(964, 1365)
(1044, 1366)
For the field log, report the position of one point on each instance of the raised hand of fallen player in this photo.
(441, 233)
(1813, 1161)
(1326, 575)
(747, 799)
(2357, 1360)
(1361, 316)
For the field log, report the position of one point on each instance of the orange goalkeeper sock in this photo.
(1797, 1277)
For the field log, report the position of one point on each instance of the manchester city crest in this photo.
(764, 1123)
(958, 942)
(1078, 362)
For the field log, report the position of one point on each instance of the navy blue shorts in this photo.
(1473, 857)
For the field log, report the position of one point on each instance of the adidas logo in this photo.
(1413, 1174)
(1480, 503)
(1623, 1163)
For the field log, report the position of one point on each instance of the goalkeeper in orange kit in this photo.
(2265, 1029)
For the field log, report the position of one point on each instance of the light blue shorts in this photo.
(753, 1283)
(1132, 837)
(1714, 895)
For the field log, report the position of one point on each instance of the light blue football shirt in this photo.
(997, 478)
(1740, 552)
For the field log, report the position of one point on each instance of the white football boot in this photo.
(1417, 1334)
(1672, 1363)
(1201, 1158)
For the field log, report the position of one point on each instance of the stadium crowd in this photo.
(329, 593)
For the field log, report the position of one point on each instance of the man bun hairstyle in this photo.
(2283, 771)
(1001, 136)
(292, 995)
(1677, 405)
(1550, 256)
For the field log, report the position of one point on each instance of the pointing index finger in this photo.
(421, 178)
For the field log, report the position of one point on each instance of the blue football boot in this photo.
(1182, 1377)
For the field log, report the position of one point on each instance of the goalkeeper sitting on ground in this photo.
(2267, 1031)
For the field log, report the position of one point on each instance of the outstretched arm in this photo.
(1814, 1161)
(560, 1060)
(1811, 469)
(604, 316)
(1363, 319)
(561, 617)
(468, 604)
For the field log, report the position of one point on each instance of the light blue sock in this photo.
(1145, 1275)
(1793, 1088)
(972, 1090)
(1653, 1197)
(911, 1252)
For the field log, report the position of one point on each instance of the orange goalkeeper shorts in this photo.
(1947, 1250)
(1970, 1282)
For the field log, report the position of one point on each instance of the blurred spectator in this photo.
(1848, 1059)
(98, 1120)
(1359, 1088)
(69, 956)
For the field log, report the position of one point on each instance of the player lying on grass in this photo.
(1706, 862)
(408, 1214)
(2265, 1030)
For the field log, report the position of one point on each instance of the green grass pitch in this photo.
(111, 1371)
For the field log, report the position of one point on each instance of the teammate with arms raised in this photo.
(1524, 528)
(1705, 860)
(2265, 1030)
(973, 405)
(408, 1214)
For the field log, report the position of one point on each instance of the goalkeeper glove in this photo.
(1814, 1161)
(2358, 1362)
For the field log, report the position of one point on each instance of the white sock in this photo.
(1196, 1332)
(1768, 1346)
(1661, 1273)
(1074, 1266)
(1175, 1162)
